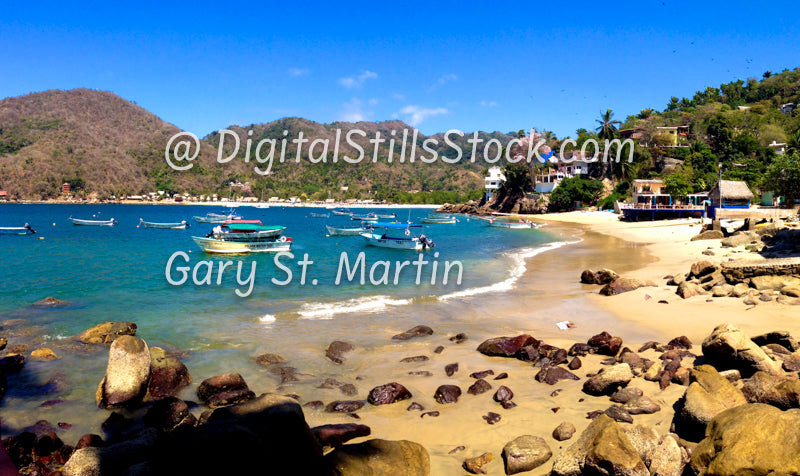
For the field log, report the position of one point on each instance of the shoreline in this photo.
(229, 204)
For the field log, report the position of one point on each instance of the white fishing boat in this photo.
(319, 215)
(398, 236)
(368, 217)
(346, 231)
(217, 217)
(439, 219)
(182, 225)
(342, 212)
(17, 230)
(385, 215)
(78, 221)
(223, 246)
(513, 225)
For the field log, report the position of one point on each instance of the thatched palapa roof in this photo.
(732, 189)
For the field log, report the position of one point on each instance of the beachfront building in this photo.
(651, 202)
(493, 181)
(549, 179)
(729, 194)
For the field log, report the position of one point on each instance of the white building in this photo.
(493, 181)
(549, 180)
(778, 147)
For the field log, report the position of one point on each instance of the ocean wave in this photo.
(362, 304)
(517, 269)
(267, 318)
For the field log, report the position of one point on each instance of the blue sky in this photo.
(449, 65)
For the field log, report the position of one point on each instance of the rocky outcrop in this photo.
(506, 346)
(780, 392)
(624, 285)
(377, 458)
(601, 276)
(729, 348)
(127, 373)
(753, 439)
(707, 396)
(168, 375)
(107, 332)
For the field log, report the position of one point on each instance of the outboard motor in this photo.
(426, 242)
(28, 227)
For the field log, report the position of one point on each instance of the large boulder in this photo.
(387, 394)
(525, 453)
(602, 276)
(114, 459)
(603, 448)
(168, 375)
(781, 392)
(107, 332)
(782, 338)
(506, 346)
(740, 239)
(608, 380)
(378, 458)
(773, 282)
(224, 389)
(127, 373)
(666, 459)
(339, 434)
(729, 348)
(707, 396)
(336, 350)
(623, 285)
(753, 439)
(709, 235)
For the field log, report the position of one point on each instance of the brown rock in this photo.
(416, 331)
(107, 332)
(450, 369)
(480, 386)
(387, 394)
(447, 394)
(269, 359)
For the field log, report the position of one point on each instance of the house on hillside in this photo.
(787, 108)
(3, 195)
(493, 181)
(549, 179)
(778, 147)
(678, 135)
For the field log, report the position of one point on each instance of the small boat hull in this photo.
(383, 241)
(438, 221)
(319, 215)
(212, 245)
(16, 230)
(513, 225)
(342, 213)
(334, 231)
(78, 221)
(165, 226)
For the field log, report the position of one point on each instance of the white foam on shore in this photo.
(517, 270)
(267, 318)
(362, 304)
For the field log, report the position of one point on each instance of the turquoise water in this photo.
(118, 273)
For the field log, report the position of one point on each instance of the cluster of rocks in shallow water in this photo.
(738, 414)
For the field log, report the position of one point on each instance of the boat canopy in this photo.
(394, 225)
(251, 222)
(251, 227)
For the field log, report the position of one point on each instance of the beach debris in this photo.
(480, 386)
(475, 465)
(501, 376)
(508, 405)
(451, 369)
(336, 350)
(387, 394)
(416, 358)
(458, 338)
(447, 394)
(564, 431)
(415, 407)
(492, 418)
(555, 409)
(552, 374)
(565, 325)
(269, 359)
(662, 301)
(434, 413)
(421, 373)
(344, 406)
(457, 449)
(525, 453)
(416, 331)
(348, 389)
(481, 374)
(107, 332)
(339, 434)
(608, 380)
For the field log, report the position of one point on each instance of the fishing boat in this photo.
(513, 225)
(439, 219)
(398, 236)
(385, 215)
(368, 217)
(17, 230)
(220, 244)
(319, 215)
(342, 212)
(217, 217)
(236, 230)
(78, 221)
(346, 231)
(182, 225)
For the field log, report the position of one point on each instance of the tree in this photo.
(793, 144)
(678, 185)
(607, 128)
(572, 190)
(783, 176)
(518, 179)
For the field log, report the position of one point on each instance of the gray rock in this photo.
(564, 431)
(127, 373)
(525, 453)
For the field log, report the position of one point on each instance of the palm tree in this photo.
(608, 125)
(793, 144)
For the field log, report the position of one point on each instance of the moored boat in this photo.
(182, 225)
(513, 225)
(385, 215)
(367, 217)
(217, 217)
(234, 230)
(384, 235)
(439, 219)
(224, 246)
(319, 215)
(342, 212)
(17, 230)
(78, 221)
(346, 231)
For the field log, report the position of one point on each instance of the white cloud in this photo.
(297, 72)
(488, 103)
(353, 111)
(417, 114)
(357, 81)
(399, 97)
(443, 80)
(373, 102)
